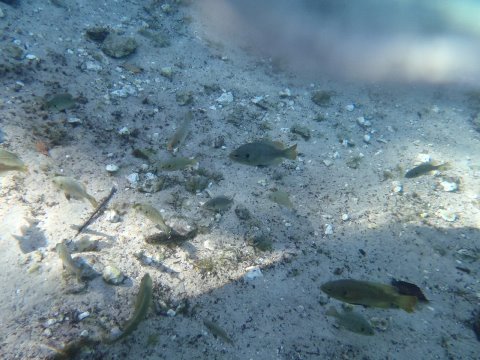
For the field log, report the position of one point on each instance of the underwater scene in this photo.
(240, 179)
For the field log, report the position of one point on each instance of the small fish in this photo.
(218, 203)
(351, 321)
(178, 163)
(217, 331)
(67, 260)
(281, 198)
(181, 132)
(153, 215)
(73, 189)
(61, 102)
(142, 304)
(369, 294)
(424, 168)
(263, 153)
(11, 162)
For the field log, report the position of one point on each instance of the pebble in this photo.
(449, 186)
(345, 217)
(124, 131)
(253, 272)
(2, 14)
(171, 313)
(350, 107)
(285, 93)
(225, 98)
(112, 168)
(112, 275)
(328, 229)
(397, 187)
(367, 138)
(47, 332)
(74, 121)
(124, 92)
(83, 315)
(447, 215)
(327, 162)
(133, 179)
(84, 333)
(112, 216)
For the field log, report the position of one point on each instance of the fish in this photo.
(218, 203)
(178, 163)
(73, 189)
(67, 260)
(368, 293)
(351, 321)
(11, 162)
(281, 198)
(153, 215)
(217, 331)
(263, 153)
(142, 304)
(60, 102)
(181, 132)
(424, 168)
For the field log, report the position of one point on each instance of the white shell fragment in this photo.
(447, 215)
(133, 179)
(225, 98)
(449, 186)
(328, 229)
(112, 168)
(253, 272)
(397, 187)
(350, 107)
(83, 315)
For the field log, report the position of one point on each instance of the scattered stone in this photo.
(328, 229)
(363, 123)
(133, 179)
(117, 46)
(301, 130)
(286, 93)
(253, 272)
(74, 121)
(321, 97)
(397, 187)
(345, 217)
(124, 131)
(449, 186)
(151, 183)
(225, 98)
(167, 72)
(184, 98)
(219, 142)
(171, 313)
(350, 107)
(367, 138)
(112, 168)
(124, 92)
(447, 215)
(83, 315)
(112, 275)
(112, 216)
(181, 230)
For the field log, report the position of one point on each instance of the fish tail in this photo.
(92, 201)
(332, 311)
(444, 166)
(407, 303)
(291, 152)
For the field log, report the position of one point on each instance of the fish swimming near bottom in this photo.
(263, 153)
(73, 189)
(424, 168)
(219, 203)
(351, 321)
(10, 162)
(153, 215)
(368, 293)
(142, 304)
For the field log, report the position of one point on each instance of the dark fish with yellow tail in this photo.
(368, 293)
(424, 168)
(10, 162)
(263, 153)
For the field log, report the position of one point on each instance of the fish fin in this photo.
(67, 195)
(443, 166)
(332, 312)
(291, 152)
(407, 302)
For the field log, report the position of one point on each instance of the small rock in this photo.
(345, 217)
(84, 333)
(83, 315)
(321, 97)
(171, 313)
(112, 275)
(133, 179)
(397, 187)
(74, 121)
(447, 215)
(449, 186)
(367, 138)
(117, 46)
(327, 162)
(97, 33)
(242, 212)
(225, 98)
(112, 168)
(253, 272)
(167, 72)
(328, 229)
(47, 332)
(286, 93)
(301, 130)
(350, 107)
(112, 216)
(124, 92)
(184, 98)
(124, 131)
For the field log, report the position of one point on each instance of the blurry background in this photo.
(400, 40)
